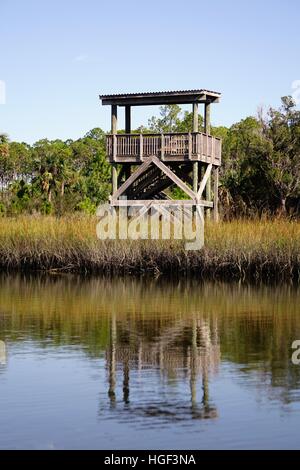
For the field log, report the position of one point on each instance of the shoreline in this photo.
(239, 250)
(258, 269)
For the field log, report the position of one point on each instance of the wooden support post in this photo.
(202, 170)
(114, 119)
(127, 131)
(207, 118)
(127, 119)
(195, 118)
(114, 178)
(114, 127)
(216, 194)
(195, 164)
(207, 131)
(195, 177)
(208, 196)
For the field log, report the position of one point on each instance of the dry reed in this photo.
(261, 249)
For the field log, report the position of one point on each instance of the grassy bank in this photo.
(236, 250)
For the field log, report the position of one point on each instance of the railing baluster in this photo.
(141, 146)
(162, 147)
(114, 147)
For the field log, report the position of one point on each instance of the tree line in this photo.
(260, 173)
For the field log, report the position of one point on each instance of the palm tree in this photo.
(4, 161)
(3, 139)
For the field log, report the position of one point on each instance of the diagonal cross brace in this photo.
(169, 173)
(131, 179)
(204, 181)
(166, 170)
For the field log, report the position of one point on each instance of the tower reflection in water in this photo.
(189, 347)
(2, 353)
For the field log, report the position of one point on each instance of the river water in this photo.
(129, 364)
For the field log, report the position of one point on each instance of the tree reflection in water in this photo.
(181, 329)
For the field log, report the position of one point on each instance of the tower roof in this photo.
(161, 97)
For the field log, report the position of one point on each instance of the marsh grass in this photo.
(254, 249)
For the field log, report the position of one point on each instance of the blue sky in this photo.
(58, 56)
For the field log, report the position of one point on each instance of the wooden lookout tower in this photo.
(145, 165)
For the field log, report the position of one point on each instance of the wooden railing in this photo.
(165, 146)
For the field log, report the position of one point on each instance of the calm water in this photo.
(91, 363)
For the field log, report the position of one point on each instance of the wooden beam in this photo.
(195, 176)
(163, 202)
(199, 212)
(200, 216)
(204, 180)
(158, 100)
(114, 127)
(195, 164)
(183, 173)
(207, 130)
(132, 178)
(114, 144)
(114, 119)
(195, 118)
(190, 95)
(151, 176)
(161, 101)
(208, 195)
(207, 118)
(127, 119)
(161, 185)
(137, 160)
(174, 178)
(114, 178)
